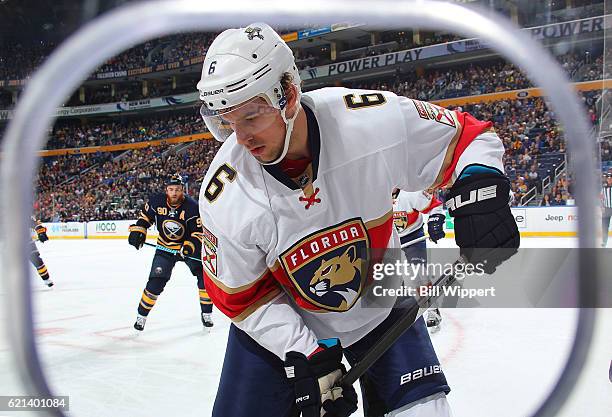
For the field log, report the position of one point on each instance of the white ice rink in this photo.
(499, 362)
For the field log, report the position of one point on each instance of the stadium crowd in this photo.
(71, 133)
(481, 78)
(19, 59)
(116, 188)
(25, 57)
(112, 185)
(163, 50)
(472, 79)
(560, 194)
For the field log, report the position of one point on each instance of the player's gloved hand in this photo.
(314, 379)
(138, 235)
(41, 231)
(187, 250)
(435, 227)
(485, 229)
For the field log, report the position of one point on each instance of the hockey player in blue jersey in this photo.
(180, 229)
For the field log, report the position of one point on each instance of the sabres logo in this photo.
(329, 268)
(400, 220)
(173, 229)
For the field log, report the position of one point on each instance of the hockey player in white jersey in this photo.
(292, 202)
(408, 209)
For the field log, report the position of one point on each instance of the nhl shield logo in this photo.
(329, 267)
(173, 229)
(400, 220)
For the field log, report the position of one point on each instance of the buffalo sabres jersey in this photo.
(283, 257)
(408, 208)
(37, 225)
(175, 224)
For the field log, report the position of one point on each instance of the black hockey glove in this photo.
(41, 231)
(314, 379)
(435, 227)
(483, 220)
(138, 235)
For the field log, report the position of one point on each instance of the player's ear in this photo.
(291, 93)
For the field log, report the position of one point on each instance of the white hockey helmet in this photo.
(240, 65)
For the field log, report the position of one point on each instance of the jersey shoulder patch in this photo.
(209, 251)
(429, 111)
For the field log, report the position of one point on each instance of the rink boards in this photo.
(532, 222)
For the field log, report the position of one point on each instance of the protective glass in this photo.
(249, 118)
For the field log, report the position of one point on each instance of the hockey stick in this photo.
(417, 240)
(415, 310)
(172, 251)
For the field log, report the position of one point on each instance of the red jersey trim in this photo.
(432, 205)
(239, 305)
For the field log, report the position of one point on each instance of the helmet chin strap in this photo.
(289, 129)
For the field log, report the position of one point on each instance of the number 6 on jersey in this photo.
(215, 186)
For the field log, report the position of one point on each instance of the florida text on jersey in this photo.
(175, 224)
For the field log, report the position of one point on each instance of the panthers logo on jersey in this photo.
(329, 267)
(400, 220)
(173, 230)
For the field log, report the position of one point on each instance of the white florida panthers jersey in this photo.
(283, 256)
(408, 209)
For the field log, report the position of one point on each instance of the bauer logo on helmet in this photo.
(211, 93)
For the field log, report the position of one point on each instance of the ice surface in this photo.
(499, 362)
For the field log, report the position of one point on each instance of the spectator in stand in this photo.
(533, 178)
(558, 200)
(546, 201)
(606, 150)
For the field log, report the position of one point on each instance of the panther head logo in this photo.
(328, 268)
(400, 221)
(335, 275)
(253, 33)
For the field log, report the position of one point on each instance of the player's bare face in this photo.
(259, 127)
(174, 193)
